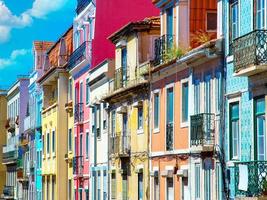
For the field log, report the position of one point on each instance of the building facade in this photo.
(3, 135)
(17, 98)
(128, 100)
(54, 84)
(98, 140)
(245, 125)
(79, 64)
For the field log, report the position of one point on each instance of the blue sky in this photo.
(22, 22)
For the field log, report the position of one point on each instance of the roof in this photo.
(62, 36)
(42, 45)
(141, 25)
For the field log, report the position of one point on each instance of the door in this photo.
(170, 190)
(185, 190)
(124, 131)
(124, 187)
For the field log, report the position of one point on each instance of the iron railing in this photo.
(80, 54)
(169, 137)
(162, 44)
(202, 129)
(9, 191)
(78, 113)
(78, 165)
(257, 174)
(81, 5)
(120, 144)
(9, 155)
(250, 49)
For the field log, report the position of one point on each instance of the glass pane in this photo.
(185, 102)
(156, 110)
(170, 105)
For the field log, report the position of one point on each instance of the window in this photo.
(75, 146)
(98, 185)
(53, 141)
(81, 144)
(156, 110)
(81, 194)
(70, 89)
(185, 102)
(156, 188)
(53, 188)
(47, 189)
(197, 181)
(140, 186)
(234, 19)
(98, 121)
(87, 145)
(113, 186)
(207, 182)
(40, 159)
(170, 191)
(70, 190)
(93, 120)
(169, 13)
(234, 130)
(47, 143)
(140, 117)
(81, 92)
(105, 185)
(113, 123)
(260, 129)
(218, 91)
(260, 14)
(87, 91)
(87, 194)
(124, 65)
(70, 140)
(219, 181)
(207, 94)
(197, 96)
(211, 21)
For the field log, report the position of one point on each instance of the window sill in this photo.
(140, 131)
(184, 124)
(156, 130)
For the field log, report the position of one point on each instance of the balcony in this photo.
(28, 125)
(78, 166)
(202, 132)
(81, 5)
(257, 174)
(9, 192)
(169, 137)
(120, 145)
(250, 53)
(78, 113)
(82, 53)
(162, 45)
(10, 154)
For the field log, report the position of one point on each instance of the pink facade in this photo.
(112, 15)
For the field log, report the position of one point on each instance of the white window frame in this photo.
(184, 124)
(156, 130)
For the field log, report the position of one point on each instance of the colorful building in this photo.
(54, 83)
(128, 100)
(3, 117)
(245, 107)
(179, 59)
(17, 98)
(79, 64)
(98, 142)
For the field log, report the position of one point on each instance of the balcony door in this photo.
(124, 130)
(169, 13)
(169, 119)
(170, 189)
(124, 65)
(260, 129)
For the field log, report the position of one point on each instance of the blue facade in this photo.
(237, 91)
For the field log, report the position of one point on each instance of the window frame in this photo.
(231, 156)
(156, 128)
(212, 12)
(140, 119)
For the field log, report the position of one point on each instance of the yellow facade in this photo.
(3, 117)
(129, 100)
(54, 130)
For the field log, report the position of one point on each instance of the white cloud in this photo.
(5, 62)
(40, 9)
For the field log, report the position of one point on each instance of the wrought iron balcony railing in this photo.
(257, 174)
(9, 192)
(250, 50)
(80, 54)
(202, 129)
(120, 144)
(78, 113)
(78, 165)
(81, 5)
(162, 44)
(169, 137)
